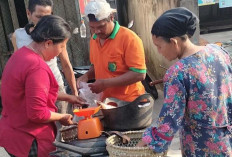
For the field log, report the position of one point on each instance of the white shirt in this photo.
(23, 39)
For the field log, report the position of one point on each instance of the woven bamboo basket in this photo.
(69, 133)
(116, 148)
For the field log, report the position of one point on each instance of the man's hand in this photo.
(83, 78)
(86, 77)
(66, 120)
(98, 86)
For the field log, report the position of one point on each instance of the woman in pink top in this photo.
(29, 91)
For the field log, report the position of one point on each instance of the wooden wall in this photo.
(6, 27)
(144, 13)
(77, 47)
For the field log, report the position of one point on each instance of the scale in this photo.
(89, 127)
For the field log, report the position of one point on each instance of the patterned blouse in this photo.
(198, 103)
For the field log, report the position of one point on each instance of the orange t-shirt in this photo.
(122, 52)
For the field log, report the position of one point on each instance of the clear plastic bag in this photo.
(91, 98)
(110, 103)
(86, 93)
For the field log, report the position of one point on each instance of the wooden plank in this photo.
(215, 25)
(4, 53)
(1, 48)
(78, 46)
(1, 60)
(215, 28)
(151, 10)
(3, 35)
(26, 3)
(13, 14)
(122, 11)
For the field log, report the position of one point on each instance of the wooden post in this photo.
(26, 3)
(122, 10)
(13, 14)
(193, 6)
(1, 60)
(1, 47)
(78, 46)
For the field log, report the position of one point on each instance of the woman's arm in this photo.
(170, 119)
(73, 99)
(64, 119)
(37, 87)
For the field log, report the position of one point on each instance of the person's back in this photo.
(209, 97)
(197, 90)
(203, 83)
(206, 77)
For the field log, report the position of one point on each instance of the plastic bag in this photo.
(86, 93)
(110, 103)
(89, 96)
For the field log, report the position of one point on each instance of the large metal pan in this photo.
(133, 116)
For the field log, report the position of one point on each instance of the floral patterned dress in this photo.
(198, 103)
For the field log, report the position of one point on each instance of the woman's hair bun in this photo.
(28, 27)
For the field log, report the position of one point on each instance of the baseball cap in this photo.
(99, 8)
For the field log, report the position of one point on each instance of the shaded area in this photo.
(212, 18)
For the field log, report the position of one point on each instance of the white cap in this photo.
(99, 8)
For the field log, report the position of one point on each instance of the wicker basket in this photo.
(69, 133)
(115, 147)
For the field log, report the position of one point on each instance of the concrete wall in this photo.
(144, 13)
(193, 6)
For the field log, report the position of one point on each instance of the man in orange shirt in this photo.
(116, 54)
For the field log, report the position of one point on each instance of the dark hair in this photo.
(33, 3)
(50, 27)
(183, 38)
(175, 22)
(28, 27)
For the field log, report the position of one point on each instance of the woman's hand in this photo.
(141, 144)
(73, 99)
(66, 119)
(76, 100)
